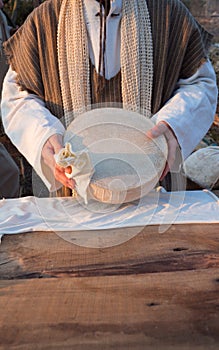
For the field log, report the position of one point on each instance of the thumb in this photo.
(56, 142)
(157, 130)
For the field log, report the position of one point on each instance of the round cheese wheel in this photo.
(127, 164)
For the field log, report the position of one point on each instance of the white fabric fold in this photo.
(30, 214)
(82, 169)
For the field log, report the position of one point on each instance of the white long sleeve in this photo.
(190, 112)
(29, 124)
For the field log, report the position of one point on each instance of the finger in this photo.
(61, 169)
(165, 172)
(68, 170)
(172, 145)
(159, 129)
(70, 183)
(60, 176)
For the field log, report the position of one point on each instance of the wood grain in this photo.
(156, 291)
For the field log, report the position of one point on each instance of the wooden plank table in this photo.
(156, 291)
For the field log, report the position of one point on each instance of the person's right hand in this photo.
(162, 128)
(52, 146)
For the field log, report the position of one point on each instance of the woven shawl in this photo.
(179, 47)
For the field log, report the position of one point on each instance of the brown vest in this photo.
(105, 91)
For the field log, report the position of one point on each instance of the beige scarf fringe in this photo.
(136, 58)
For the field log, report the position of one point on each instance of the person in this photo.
(4, 35)
(9, 172)
(151, 56)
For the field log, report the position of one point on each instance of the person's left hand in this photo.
(51, 147)
(162, 128)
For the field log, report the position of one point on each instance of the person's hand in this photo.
(52, 146)
(162, 128)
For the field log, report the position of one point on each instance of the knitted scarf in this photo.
(59, 73)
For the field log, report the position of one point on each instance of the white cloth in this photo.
(82, 169)
(29, 124)
(29, 214)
